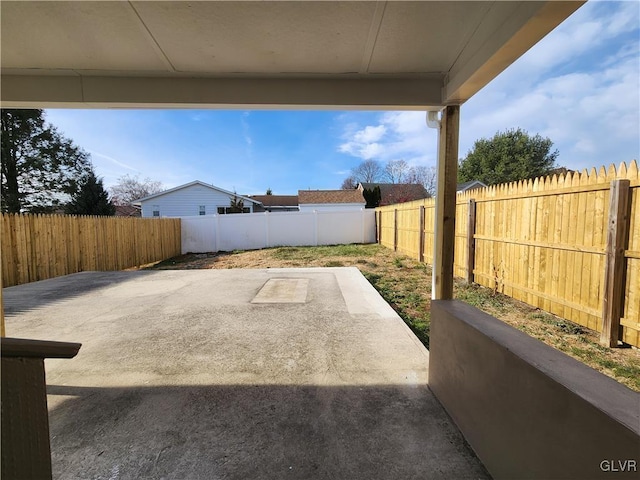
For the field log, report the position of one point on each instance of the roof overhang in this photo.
(195, 183)
(302, 54)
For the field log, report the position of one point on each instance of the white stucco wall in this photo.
(186, 202)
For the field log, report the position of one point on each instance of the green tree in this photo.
(236, 205)
(40, 167)
(91, 198)
(507, 157)
(372, 196)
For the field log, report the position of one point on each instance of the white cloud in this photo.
(591, 116)
(588, 105)
(246, 132)
(396, 135)
(370, 134)
(591, 26)
(113, 160)
(363, 143)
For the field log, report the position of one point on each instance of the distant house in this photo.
(330, 200)
(191, 199)
(128, 211)
(391, 193)
(275, 203)
(472, 185)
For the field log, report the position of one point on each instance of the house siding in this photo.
(186, 202)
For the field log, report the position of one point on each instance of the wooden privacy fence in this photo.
(37, 247)
(569, 245)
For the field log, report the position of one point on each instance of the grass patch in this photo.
(480, 297)
(411, 306)
(334, 263)
(302, 253)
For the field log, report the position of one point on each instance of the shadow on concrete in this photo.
(34, 295)
(256, 432)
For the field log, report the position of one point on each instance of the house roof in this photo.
(385, 54)
(330, 196)
(391, 193)
(128, 211)
(190, 184)
(463, 187)
(276, 200)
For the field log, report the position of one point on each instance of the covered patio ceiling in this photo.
(242, 54)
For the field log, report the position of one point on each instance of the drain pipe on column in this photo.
(433, 121)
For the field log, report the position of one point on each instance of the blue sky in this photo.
(580, 86)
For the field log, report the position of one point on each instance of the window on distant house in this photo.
(156, 210)
(227, 210)
(202, 210)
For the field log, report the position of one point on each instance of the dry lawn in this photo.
(406, 286)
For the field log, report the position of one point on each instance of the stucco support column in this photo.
(445, 216)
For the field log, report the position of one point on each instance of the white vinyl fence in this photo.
(252, 231)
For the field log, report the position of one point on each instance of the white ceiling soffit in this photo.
(297, 54)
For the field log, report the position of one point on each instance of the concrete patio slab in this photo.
(283, 290)
(181, 376)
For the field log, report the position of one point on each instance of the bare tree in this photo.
(369, 171)
(396, 171)
(425, 176)
(349, 183)
(130, 188)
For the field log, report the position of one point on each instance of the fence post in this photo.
(421, 236)
(267, 240)
(471, 241)
(379, 226)
(614, 262)
(395, 229)
(217, 233)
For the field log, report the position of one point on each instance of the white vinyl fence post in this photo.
(217, 232)
(315, 227)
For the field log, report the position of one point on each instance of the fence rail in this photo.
(569, 245)
(37, 247)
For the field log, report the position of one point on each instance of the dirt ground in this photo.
(406, 285)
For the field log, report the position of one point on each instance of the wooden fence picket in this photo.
(37, 247)
(541, 241)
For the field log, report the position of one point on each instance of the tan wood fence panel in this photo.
(37, 247)
(409, 229)
(542, 242)
(631, 314)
